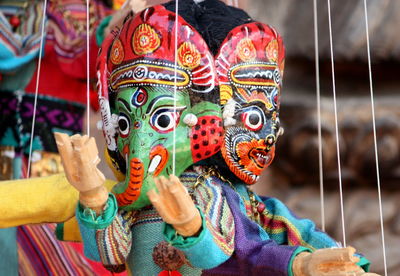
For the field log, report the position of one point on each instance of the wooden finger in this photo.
(86, 153)
(65, 150)
(165, 194)
(168, 196)
(335, 254)
(159, 184)
(182, 197)
(86, 156)
(81, 157)
(158, 203)
(91, 148)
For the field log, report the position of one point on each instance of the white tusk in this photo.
(190, 119)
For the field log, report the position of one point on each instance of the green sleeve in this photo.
(89, 219)
(100, 29)
(201, 250)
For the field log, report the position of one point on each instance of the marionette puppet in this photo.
(158, 119)
(250, 65)
(208, 189)
(19, 47)
(169, 190)
(60, 98)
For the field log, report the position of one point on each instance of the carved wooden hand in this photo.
(80, 158)
(329, 262)
(175, 205)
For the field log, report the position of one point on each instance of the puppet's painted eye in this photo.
(139, 98)
(165, 119)
(275, 97)
(124, 125)
(252, 119)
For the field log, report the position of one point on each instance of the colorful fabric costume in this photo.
(137, 79)
(239, 245)
(19, 46)
(60, 107)
(278, 237)
(131, 236)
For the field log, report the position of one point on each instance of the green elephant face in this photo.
(138, 70)
(148, 128)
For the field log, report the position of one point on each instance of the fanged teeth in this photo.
(154, 163)
(254, 177)
(261, 155)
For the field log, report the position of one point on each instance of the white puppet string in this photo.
(318, 92)
(336, 124)
(175, 88)
(36, 88)
(375, 140)
(87, 71)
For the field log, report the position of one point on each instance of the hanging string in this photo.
(318, 90)
(375, 140)
(175, 88)
(28, 174)
(336, 124)
(87, 70)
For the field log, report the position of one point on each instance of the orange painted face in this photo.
(250, 66)
(249, 145)
(253, 155)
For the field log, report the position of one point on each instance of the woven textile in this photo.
(51, 115)
(8, 251)
(216, 240)
(41, 254)
(115, 241)
(219, 219)
(18, 47)
(255, 254)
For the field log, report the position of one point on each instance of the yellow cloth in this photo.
(38, 200)
(71, 231)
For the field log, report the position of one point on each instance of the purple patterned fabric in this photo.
(253, 255)
(51, 115)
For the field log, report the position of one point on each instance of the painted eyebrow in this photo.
(155, 100)
(126, 104)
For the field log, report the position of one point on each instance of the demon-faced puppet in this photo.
(160, 115)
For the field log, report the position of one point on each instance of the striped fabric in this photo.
(20, 47)
(115, 241)
(283, 226)
(41, 254)
(67, 27)
(219, 219)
